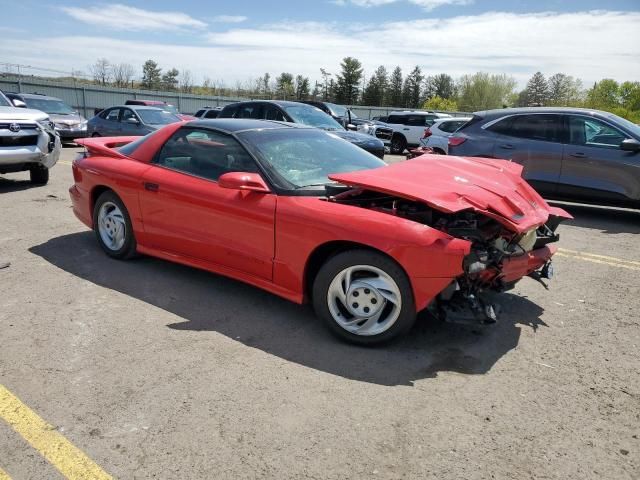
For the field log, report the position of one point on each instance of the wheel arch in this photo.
(325, 251)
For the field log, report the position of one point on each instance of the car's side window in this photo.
(397, 119)
(127, 113)
(593, 133)
(450, 127)
(542, 127)
(112, 115)
(204, 153)
(199, 113)
(416, 121)
(251, 110)
(211, 114)
(273, 113)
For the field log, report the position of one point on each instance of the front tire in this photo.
(112, 225)
(364, 297)
(39, 175)
(398, 144)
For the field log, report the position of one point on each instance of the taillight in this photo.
(427, 133)
(455, 141)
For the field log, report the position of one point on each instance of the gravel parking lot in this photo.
(155, 370)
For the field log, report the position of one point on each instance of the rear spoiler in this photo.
(105, 145)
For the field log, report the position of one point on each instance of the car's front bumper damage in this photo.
(29, 147)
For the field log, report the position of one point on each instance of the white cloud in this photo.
(229, 19)
(427, 5)
(123, 17)
(590, 45)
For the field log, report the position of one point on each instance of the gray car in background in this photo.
(69, 124)
(129, 120)
(570, 154)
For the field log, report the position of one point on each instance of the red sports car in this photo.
(306, 215)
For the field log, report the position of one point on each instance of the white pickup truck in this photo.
(408, 128)
(28, 142)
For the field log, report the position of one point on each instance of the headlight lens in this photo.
(46, 124)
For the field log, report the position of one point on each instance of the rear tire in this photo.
(398, 144)
(112, 226)
(364, 297)
(39, 175)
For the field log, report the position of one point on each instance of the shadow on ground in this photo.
(604, 219)
(8, 185)
(208, 302)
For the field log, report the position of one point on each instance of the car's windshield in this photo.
(4, 101)
(313, 117)
(632, 127)
(305, 157)
(157, 117)
(52, 107)
(169, 108)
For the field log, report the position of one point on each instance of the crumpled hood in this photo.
(451, 184)
(16, 114)
(357, 138)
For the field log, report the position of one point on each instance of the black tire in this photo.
(398, 144)
(128, 249)
(336, 264)
(39, 175)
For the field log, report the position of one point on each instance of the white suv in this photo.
(409, 126)
(437, 135)
(28, 141)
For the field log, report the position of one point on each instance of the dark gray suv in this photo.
(571, 154)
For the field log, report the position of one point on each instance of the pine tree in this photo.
(347, 83)
(394, 92)
(302, 87)
(170, 79)
(376, 88)
(412, 89)
(151, 75)
(537, 91)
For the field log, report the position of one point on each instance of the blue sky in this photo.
(236, 41)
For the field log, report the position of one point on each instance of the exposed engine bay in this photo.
(492, 247)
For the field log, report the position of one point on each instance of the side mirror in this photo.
(251, 182)
(132, 121)
(19, 103)
(630, 145)
(351, 126)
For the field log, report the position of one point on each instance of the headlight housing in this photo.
(46, 124)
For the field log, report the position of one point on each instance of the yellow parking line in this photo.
(4, 475)
(593, 259)
(67, 458)
(604, 257)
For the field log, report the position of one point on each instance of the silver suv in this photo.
(572, 154)
(28, 142)
(409, 127)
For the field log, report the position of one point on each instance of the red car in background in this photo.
(163, 106)
(306, 215)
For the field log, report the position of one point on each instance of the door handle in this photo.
(152, 187)
(578, 155)
(507, 146)
(406, 129)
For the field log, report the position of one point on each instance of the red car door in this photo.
(186, 212)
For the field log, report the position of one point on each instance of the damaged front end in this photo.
(499, 255)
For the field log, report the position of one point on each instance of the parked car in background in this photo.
(208, 112)
(68, 122)
(437, 135)
(296, 112)
(340, 114)
(408, 128)
(161, 105)
(307, 216)
(28, 141)
(129, 120)
(574, 154)
(382, 119)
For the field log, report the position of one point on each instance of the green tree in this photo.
(605, 95)
(630, 95)
(347, 82)
(441, 85)
(394, 92)
(170, 79)
(537, 91)
(412, 89)
(376, 88)
(302, 87)
(441, 104)
(151, 75)
(564, 90)
(483, 91)
(284, 86)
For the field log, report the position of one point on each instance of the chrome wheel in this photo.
(112, 226)
(364, 300)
